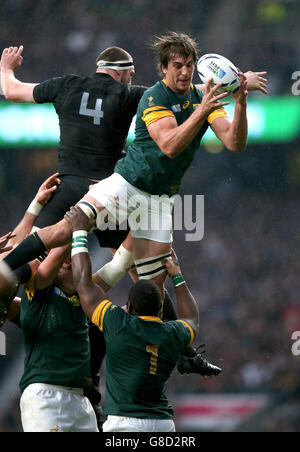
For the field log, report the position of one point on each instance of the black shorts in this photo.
(70, 191)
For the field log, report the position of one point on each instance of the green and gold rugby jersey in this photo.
(141, 353)
(56, 340)
(146, 167)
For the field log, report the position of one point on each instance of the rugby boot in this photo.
(197, 365)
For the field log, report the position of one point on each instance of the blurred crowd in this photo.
(63, 37)
(245, 272)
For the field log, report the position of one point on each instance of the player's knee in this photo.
(114, 270)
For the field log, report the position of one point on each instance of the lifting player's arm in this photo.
(187, 307)
(26, 224)
(173, 139)
(24, 228)
(255, 82)
(90, 294)
(13, 89)
(234, 134)
(6, 238)
(43, 277)
(49, 268)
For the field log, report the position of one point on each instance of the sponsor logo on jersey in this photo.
(186, 104)
(75, 301)
(176, 108)
(151, 101)
(114, 198)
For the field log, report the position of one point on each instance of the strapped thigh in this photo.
(150, 267)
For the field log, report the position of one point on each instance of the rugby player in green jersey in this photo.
(142, 351)
(171, 120)
(172, 117)
(57, 367)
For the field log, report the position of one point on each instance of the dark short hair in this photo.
(145, 298)
(114, 54)
(171, 44)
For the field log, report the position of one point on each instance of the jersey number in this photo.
(153, 349)
(95, 113)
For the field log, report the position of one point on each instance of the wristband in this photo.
(178, 280)
(79, 243)
(35, 208)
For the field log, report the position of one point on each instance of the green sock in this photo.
(31, 248)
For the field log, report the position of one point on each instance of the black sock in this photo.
(31, 248)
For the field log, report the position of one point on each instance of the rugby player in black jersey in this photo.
(95, 114)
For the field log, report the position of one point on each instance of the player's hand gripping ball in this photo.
(221, 70)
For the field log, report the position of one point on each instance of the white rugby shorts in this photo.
(133, 424)
(149, 216)
(50, 408)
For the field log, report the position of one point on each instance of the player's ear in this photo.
(163, 70)
(119, 74)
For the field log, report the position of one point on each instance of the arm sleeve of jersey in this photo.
(220, 113)
(153, 107)
(109, 318)
(188, 332)
(49, 90)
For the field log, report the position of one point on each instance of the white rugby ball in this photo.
(221, 70)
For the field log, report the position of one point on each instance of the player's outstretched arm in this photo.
(256, 81)
(89, 293)
(6, 238)
(173, 139)
(49, 268)
(234, 134)
(26, 224)
(13, 89)
(187, 307)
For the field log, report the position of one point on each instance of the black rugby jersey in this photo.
(95, 114)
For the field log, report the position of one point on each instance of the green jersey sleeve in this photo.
(110, 318)
(154, 105)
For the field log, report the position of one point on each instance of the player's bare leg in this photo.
(143, 249)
